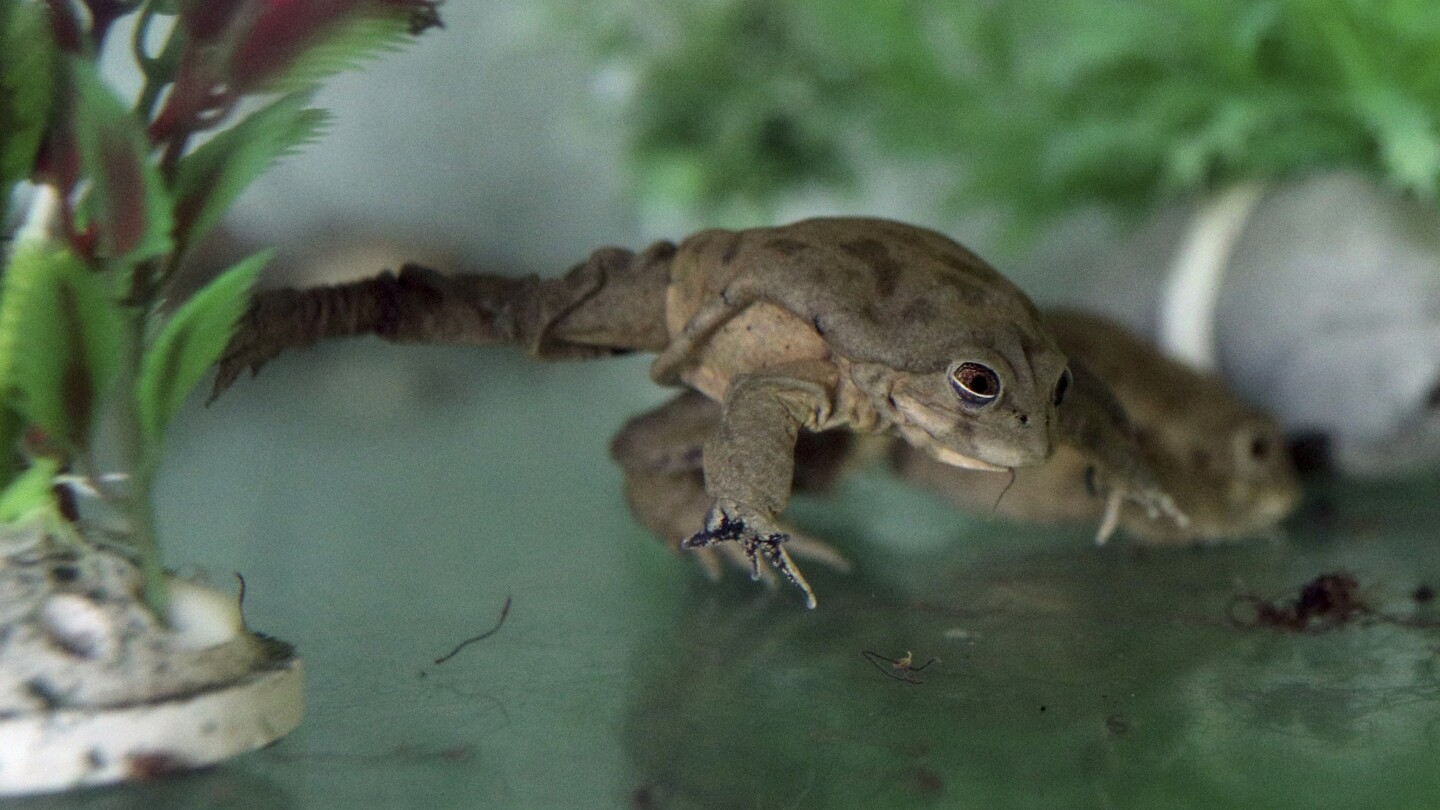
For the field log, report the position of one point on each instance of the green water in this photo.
(383, 503)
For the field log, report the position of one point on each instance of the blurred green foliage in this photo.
(26, 90)
(122, 192)
(1033, 106)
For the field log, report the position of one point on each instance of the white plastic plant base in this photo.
(65, 748)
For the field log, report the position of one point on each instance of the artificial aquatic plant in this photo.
(122, 192)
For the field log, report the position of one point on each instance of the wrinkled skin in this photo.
(840, 324)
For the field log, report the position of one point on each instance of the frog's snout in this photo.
(1022, 440)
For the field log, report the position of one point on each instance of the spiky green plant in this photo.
(1047, 105)
(124, 190)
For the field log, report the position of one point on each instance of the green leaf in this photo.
(212, 177)
(1042, 106)
(127, 202)
(31, 492)
(27, 88)
(60, 338)
(350, 43)
(190, 342)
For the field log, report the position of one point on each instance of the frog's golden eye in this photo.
(1061, 387)
(974, 383)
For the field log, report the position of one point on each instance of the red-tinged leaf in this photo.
(124, 190)
(126, 201)
(65, 26)
(205, 21)
(103, 14)
(284, 29)
(296, 44)
(195, 92)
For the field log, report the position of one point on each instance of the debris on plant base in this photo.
(87, 667)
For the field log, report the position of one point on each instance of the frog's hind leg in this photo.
(612, 303)
(660, 454)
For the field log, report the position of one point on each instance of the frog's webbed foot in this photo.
(756, 536)
(714, 559)
(1093, 420)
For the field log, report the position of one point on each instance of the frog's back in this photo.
(872, 290)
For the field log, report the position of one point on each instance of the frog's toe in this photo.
(1111, 518)
(1158, 505)
(754, 537)
(813, 549)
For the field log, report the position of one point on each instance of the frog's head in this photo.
(987, 409)
(1228, 470)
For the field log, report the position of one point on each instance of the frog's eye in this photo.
(974, 383)
(1061, 387)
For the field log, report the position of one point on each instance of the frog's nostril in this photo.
(1024, 419)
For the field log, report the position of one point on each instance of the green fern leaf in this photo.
(31, 494)
(190, 342)
(27, 88)
(61, 329)
(349, 44)
(213, 176)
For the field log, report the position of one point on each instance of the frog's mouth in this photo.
(954, 459)
(923, 427)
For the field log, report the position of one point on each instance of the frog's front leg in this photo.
(1093, 420)
(750, 462)
(661, 454)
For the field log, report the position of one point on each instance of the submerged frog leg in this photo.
(1094, 421)
(1111, 520)
(613, 302)
(660, 453)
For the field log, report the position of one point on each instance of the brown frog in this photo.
(1223, 461)
(853, 324)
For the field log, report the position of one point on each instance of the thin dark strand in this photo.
(1001, 496)
(504, 611)
(924, 665)
(897, 670)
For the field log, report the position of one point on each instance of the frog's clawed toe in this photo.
(240, 356)
(723, 526)
(259, 337)
(1156, 503)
